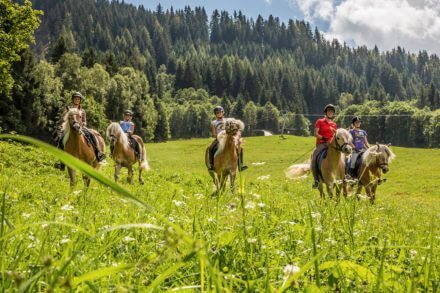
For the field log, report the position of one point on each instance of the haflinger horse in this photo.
(226, 156)
(123, 154)
(332, 167)
(375, 161)
(76, 144)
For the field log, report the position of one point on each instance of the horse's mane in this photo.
(372, 152)
(231, 126)
(115, 129)
(65, 126)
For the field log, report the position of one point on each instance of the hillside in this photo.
(55, 238)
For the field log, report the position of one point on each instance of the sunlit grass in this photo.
(116, 237)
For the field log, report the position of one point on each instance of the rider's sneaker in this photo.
(242, 168)
(315, 184)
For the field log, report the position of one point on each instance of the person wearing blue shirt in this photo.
(128, 127)
(360, 144)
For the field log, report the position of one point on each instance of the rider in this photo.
(76, 100)
(360, 144)
(128, 127)
(218, 125)
(324, 132)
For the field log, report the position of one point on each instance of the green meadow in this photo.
(171, 234)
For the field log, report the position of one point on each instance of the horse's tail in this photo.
(144, 163)
(297, 171)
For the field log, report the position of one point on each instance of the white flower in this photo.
(256, 195)
(261, 205)
(316, 215)
(67, 207)
(292, 223)
(64, 240)
(413, 253)
(76, 192)
(264, 177)
(331, 241)
(199, 195)
(211, 220)
(250, 205)
(290, 270)
(45, 226)
(258, 163)
(178, 203)
(25, 215)
(128, 239)
(252, 240)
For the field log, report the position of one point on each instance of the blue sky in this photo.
(412, 24)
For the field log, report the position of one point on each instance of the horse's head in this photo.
(342, 140)
(384, 156)
(74, 118)
(113, 132)
(232, 126)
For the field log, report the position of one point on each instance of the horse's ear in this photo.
(378, 146)
(388, 144)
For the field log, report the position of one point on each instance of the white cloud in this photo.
(412, 24)
(268, 1)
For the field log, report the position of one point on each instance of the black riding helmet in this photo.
(355, 119)
(77, 94)
(218, 109)
(330, 107)
(128, 112)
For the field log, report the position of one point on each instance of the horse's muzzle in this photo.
(384, 168)
(346, 149)
(77, 127)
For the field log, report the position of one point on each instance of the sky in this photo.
(411, 24)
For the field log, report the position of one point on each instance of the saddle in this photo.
(321, 156)
(135, 146)
(93, 141)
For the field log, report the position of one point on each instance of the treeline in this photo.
(42, 89)
(262, 60)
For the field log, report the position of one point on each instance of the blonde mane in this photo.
(232, 127)
(114, 129)
(373, 152)
(65, 126)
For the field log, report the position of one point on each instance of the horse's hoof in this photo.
(141, 182)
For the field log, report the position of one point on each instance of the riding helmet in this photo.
(330, 107)
(128, 112)
(77, 94)
(355, 119)
(218, 109)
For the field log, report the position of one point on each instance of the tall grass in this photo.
(170, 234)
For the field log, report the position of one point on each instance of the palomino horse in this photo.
(375, 161)
(226, 156)
(332, 166)
(123, 154)
(76, 144)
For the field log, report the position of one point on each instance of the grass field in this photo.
(273, 234)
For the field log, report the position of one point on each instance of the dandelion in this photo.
(67, 207)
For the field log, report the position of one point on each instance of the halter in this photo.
(340, 147)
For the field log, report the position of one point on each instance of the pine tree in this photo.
(162, 130)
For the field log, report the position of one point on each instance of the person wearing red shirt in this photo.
(324, 132)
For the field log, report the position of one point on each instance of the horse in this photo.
(76, 143)
(375, 161)
(226, 156)
(332, 167)
(123, 154)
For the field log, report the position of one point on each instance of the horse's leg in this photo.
(86, 180)
(130, 174)
(117, 169)
(141, 181)
(368, 191)
(233, 182)
(373, 193)
(321, 190)
(358, 190)
(72, 176)
(223, 179)
(330, 189)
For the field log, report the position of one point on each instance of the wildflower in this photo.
(250, 205)
(258, 163)
(67, 207)
(292, 223)
(25, 215)
(264, 177)
(252, 240)
(178, 203)
(316, 215)
(211, 220)
(413, 253)
(256, 195)
(261, 205)
(128, 239)
(45, 226)
(290, 270)
(76, 192)
(64, 240)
